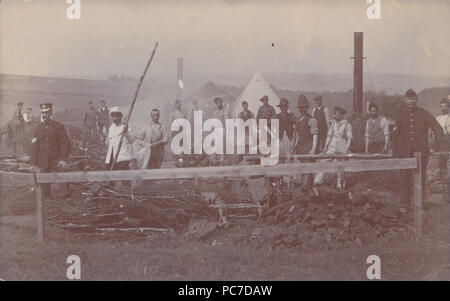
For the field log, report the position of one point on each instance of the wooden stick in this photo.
(76, 163)
(78, 157)
(40, 205)
(134, 229)
(277, 214)
(417, 189)
(439, 153)
(271, 210)
(235, 206)
(136, 93)
(241, 216)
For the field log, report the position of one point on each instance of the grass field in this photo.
(172, 258)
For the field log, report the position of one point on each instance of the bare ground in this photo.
(219, 257)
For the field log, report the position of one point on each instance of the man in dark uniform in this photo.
(412, 126)
(50, 147)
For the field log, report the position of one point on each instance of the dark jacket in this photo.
(17, 120)
(306, 128)
(286, 124)
(319, 115)
(411, 132)
(266, 112)
(50, 142)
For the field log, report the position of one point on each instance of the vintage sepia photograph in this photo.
(224, 140)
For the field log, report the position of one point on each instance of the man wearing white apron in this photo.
(126, 154)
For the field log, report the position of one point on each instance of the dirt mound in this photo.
(332, 221)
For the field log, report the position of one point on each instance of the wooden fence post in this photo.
(40, 206)
(417, 196)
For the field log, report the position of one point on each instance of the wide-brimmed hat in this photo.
(115, 110)
(283, 103)
(45, 107)
(318, 97)
(340, 109)
(302, 101)
(265, 97)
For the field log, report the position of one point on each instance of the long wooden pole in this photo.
(40, 207)
(40, 210)
(418, 193)
(136, 93)
(358, 73)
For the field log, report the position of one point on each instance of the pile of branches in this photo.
(92, 147)
(15, 163)
(104, 210)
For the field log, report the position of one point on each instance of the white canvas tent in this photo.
(257, 88)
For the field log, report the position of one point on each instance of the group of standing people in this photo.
(306, 133)
(302, 134)
(319, 132)
(96, 121)
(20, 129)
(50, 144)
(150, 140)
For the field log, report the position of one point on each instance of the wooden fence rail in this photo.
(228, 171)
(231, 171)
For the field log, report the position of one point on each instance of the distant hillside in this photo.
(74, 94)
(334, 82)
(33, 90)
(70, 96)
(430, 98)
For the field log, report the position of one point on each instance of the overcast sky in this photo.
(235, 36)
